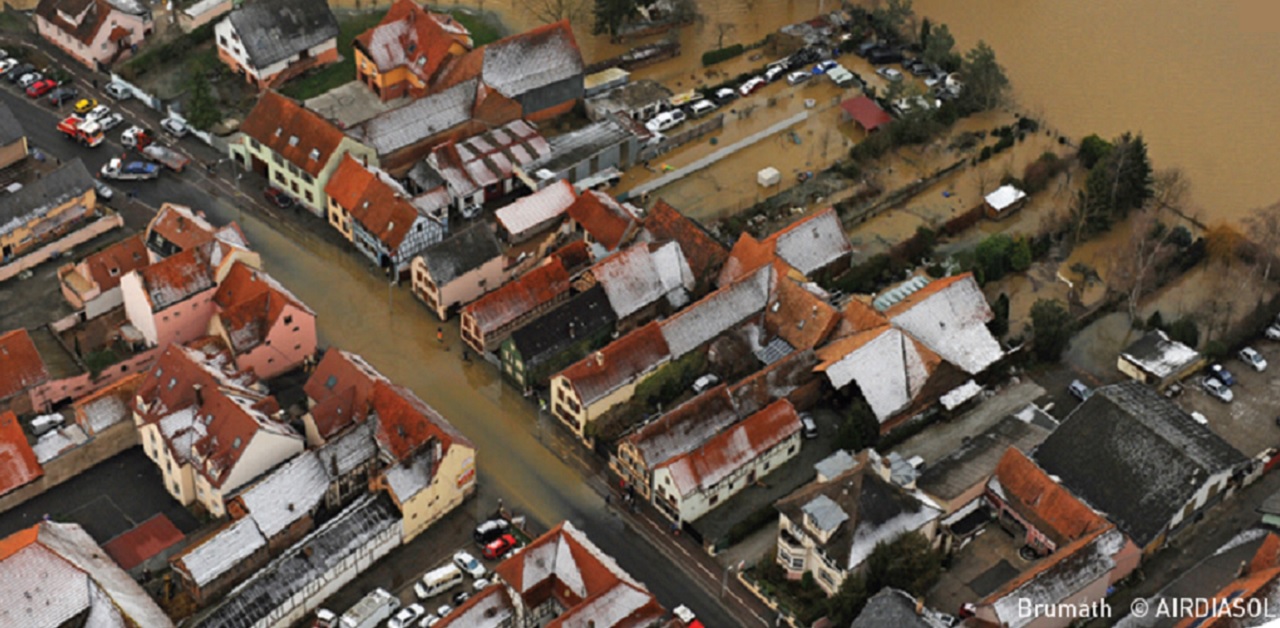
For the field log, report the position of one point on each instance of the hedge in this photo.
(712, 57)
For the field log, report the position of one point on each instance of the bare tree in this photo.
(1264, 227)
(722, 29)
(548, 11)
(1150, 245)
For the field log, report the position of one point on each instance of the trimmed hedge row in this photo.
(712, 57)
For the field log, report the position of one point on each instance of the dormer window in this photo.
(279, 131)
(315, 154)
(293, 140)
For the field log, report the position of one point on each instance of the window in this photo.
(714, 499)
(328, 383)
(288, 320)
(310, 199)
(297, 347)
(222, 40)
(254, 143)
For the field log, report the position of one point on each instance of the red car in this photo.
(40, 88)
(278, 198)
(500, 547)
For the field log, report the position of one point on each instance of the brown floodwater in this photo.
(1197, 79)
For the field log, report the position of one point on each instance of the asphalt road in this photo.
(358, 311)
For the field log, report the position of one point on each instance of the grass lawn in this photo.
(344, 71)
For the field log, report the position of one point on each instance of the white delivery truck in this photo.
(438, 581)
(371, 610)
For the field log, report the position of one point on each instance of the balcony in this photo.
(790, 540)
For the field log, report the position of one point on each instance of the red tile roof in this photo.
(107, 266)
(493, 109)
(287, 128)
(18, 541)
(731, 449)
(251, 303)
(801, 318)
(573, 256)
(519, 296)
(406, 423)
(866, 113)
(705, 255)
(177, 277)
(381, 207)
(21, 366)
(18, 465)
(602, 218)
(747, 256)
(341, 386)
(411, 37)
(87, 29)
(181, 226)
(860, 316)
(1258, 580)
(1029, 491)
(617, 363)
(565, 565)
(142, 542)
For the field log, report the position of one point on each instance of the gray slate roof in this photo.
(274, 30)
(461, 253)
(419, 120)
(895, 608)
(582, 315)
(571, 148)
(975, 461)
(287, 494)
(1136, 456)
(534, 59)
(10, 129)
(43, 194)
(295, 570)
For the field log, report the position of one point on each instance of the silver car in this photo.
(1217, 389)
(1253, 359)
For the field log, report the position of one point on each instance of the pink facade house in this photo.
(171, 301)
(94, 32)
(269, 330)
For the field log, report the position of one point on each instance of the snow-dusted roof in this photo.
(208, 560)
(528, 61)
(1060, 578)
(1159, 355)
(717, 312)
(287, 494)
(104, 412)
(52, 444)
(60, 572)
(960, 394)
(409, 478)
(420, 119)
(537, 209)
(635, 277)
(834, 465)
(1004, 196)
(890, 367)
(825, 513)
(349, 450)
(704, 468)
(811, 244)
(950, 317)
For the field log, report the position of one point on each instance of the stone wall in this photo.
(98, 448)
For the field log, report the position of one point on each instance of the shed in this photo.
(769, 176)
(865, 112)
(1158, 361)
(1004, 202)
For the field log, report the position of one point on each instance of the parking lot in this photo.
(1248, 423)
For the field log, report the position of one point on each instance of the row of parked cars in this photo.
(1218, 381)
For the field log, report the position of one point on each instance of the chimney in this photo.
(199, 393)
(599, 358)
(919, 606)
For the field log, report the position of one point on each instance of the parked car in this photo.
(405, 617)
(822, 66)
(809, 425)
(175, 127)
(751, 86)
(7, 64)
(468, 563)
(85, 105)
(499, 548)
(29, 79)
(62, 95)
(701, 108)
(796, 78)
(17, 72)
(919, 68)
(489, 531)
(1253, 359)
(1217, 389)
(1273, 332)
(724, 95)
(1079, 390)
(774, 73)
(104, 190)
(98, 113)
(890, 74)
(460, 598)
(429, 621)
(702, 384)
(41, 87)
(1220, 373)
(278, 197)
(444, 610)
(118, 91)
(665, 120)
(111, 121)
(481, 584)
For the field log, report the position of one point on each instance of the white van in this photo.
(438, 581)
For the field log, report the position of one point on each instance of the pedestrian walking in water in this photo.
(440, 335)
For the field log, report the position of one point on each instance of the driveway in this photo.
(1248, 423)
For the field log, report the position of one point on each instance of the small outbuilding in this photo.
(768, 176)
(1003, 202)
(866, 112)
(1159, 361)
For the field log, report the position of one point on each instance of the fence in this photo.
(671, 142)
(222, 145)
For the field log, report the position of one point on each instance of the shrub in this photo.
(1186, 331)
(712, 57)
(1093, 149)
